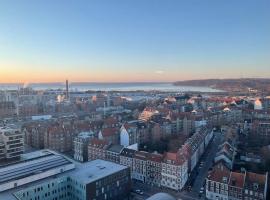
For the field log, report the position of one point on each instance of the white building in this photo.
(128, 134)
(174, 174)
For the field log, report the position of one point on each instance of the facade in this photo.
(113, 153)
(59, 137)
(153, 169)
(126, 158)
(224, 184)
(81, 146)
(7, 109)
(129, 135)
(261, 128)
(2, 151)
(12, 142)
(97, 149)
(174, 171)
(34, 134)
(139, 166)
(226, 153)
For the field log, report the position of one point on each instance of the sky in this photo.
(133, 40)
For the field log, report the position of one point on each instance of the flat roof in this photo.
(95, 170)
(36, 166)
(83, 172)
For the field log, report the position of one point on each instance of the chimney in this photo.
(67, 93)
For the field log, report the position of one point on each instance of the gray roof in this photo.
(161, 196)
(29, 168)
(116, 148)
(95, 170)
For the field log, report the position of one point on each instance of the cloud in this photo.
(159, 72)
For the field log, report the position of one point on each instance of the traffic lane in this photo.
(207, 159)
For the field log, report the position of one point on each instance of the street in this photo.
(200, 173)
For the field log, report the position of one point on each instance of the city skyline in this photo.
(133, 41)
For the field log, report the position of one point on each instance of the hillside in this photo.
(231, 85)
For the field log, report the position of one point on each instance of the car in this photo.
(201, 191)
(139, 192)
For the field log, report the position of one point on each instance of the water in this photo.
(166, 87)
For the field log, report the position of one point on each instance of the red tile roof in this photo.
(237, 179)
(107, 132)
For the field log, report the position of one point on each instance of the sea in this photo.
(142, 86)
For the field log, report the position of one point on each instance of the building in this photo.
(59, 137)
(81, 145)
(217, 183)
(226, 153)
(60, 178)
(153, 169)
(113, 153)
(222, 183)
(2, 151)
(110, 135)
(126, 158)
(97, 149)
(39, 166)
(139, 170)
(129, 134)
(255, 186)
(34, 134)
(174, 171)
(12, 142)
(7, 109)
(147, 114)
(261, 128)
(97, 180)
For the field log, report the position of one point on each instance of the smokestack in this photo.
(67, 93)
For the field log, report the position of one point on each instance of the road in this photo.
(207, 158)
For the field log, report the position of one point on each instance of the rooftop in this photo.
(94, 170)
(32, 167)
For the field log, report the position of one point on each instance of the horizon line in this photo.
(99, 82)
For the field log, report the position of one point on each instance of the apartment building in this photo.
(12, 141)
(129, 134)
(261, 128)
(7, 109)
(113, 153)
(174, 171)
(97, 149)
(81, 145)
(224, 184)
(34, 134)
(59, 137)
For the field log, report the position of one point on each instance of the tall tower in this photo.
(67, 93)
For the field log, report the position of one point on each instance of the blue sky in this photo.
(133, 40)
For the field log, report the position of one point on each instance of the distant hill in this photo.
(231, 85)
